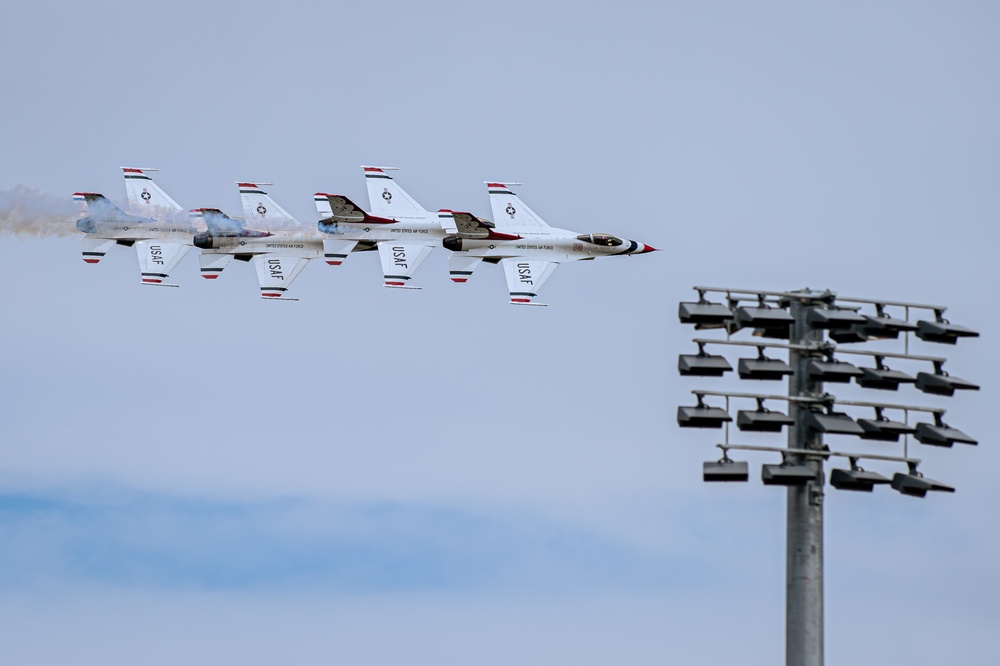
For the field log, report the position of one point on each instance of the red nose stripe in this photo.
(648, 248)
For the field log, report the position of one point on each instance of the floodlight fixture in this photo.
(943, 331)
(884, 327)
(763, 368)
(725, 470)
(762, 419)
(833, 318)
(916, 484)
(702, 416)
(765, 318)
(704, 314)
(848, 335)
(882, 377)
(940, 433)
(883, 429)
(832, 371)
(789, 473)
(879, 326)
(832, 423)
(941, 383)
(856, 478)
(702, 364)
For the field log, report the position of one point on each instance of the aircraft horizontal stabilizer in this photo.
(336, 250)
(94, 249)
(461, 266)
(212, 264)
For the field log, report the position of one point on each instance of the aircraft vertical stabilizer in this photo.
(509, 212)
(262, 210)
(388, 199)
(145, 197)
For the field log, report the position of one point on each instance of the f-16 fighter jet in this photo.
(280, 248)
(398, 227)
(154, 226)
(528, 248)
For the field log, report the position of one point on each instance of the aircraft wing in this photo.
(158, 259)
(525, 278)
(400, 261)
(276, 273)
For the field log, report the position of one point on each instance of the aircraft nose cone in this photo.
(646, 248)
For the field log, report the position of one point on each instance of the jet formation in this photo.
(399, 229)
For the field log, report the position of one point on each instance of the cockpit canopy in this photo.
(600, 239)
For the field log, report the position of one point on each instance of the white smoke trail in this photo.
(31, 213)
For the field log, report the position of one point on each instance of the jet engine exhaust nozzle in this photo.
(203, 240)
(328, 227)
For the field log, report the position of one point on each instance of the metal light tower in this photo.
(804, 543)
(806, 318)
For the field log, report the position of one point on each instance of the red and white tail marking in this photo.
(386, 198)
(145, 197)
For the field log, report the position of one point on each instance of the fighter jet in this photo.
(529, 249)
(151, 226)
(280, 247)
(398, 227)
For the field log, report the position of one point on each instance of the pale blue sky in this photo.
(371, 476)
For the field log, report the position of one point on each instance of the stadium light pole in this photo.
(804, 543)
(804, 318)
